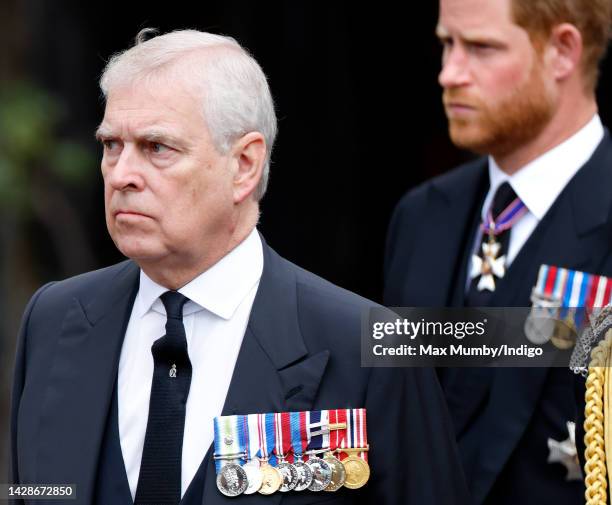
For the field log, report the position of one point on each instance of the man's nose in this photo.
(455, 71)
(125, 174)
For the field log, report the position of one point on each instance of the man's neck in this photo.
(564, 124)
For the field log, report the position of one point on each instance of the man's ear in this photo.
(566, 48)
(248, 158)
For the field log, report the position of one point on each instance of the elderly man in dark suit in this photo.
(104, 400)
(519, 80)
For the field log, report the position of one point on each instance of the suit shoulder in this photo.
(82, 286)
(446, 183)
(328, 296)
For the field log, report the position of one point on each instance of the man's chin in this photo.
(138, 252)
(473, 141)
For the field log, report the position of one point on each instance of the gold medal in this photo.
(356, 468)
(338, 472)
(565, 334)
(272, 479)
(357, 472)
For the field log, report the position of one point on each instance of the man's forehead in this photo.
(144, 110)
(474, 18)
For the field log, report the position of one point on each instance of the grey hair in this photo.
(237, 98)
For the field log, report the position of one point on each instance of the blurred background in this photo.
(360, 122)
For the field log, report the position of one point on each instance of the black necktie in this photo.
(504, 196)
(159, 481)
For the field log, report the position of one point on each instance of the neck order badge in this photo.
(291, 451)
(490, 265)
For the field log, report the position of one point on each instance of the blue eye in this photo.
(480, 47)
(158, 148)
(109, 144)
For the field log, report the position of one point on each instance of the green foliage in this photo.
(30, 145)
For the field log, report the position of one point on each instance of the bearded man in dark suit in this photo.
(518, 79)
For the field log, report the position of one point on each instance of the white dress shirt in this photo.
(215, 320)
(539, 183)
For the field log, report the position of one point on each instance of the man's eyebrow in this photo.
(441, 32)
(103, 132)
(470, 37)
(148, 135)
(161, 136)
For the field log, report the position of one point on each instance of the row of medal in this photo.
(562, 300)
(320, 450)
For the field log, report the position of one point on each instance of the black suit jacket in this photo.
(301, 351)
(504, 417)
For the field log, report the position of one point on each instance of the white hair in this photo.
(236, 95)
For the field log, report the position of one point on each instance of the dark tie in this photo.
(159, 482)
(504, 196)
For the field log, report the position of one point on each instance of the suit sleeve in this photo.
(404, 228)
(19, 378)
(413, 456)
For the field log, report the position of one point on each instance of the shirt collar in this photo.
(220, 289)
(540, 182)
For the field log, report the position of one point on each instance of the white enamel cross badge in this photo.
(489, 266)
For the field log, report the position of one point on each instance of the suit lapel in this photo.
(80, 384)
(274, 372)
(443, 244)
(448, 247)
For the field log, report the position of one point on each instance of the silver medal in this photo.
(254, 477)
(540, 324)
(338, 473)
(539, 327)
(232, 480)
(321, 474)
(304, 475)
(289, 474)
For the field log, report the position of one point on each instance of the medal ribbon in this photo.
(577, 296)
(360, 434)
(227, 440)
(304, 431)
(336, 437)
(608, 294)
(242, 430)
(266, 437)
(316, 435)
(574, 290)
(268, 420)
(602, 296)
(347, 441)
(509, 216)
(298, 438)
(560, 284)
(356, 432)
(283, 436)
(550, 281)
(253, 440)
(325, 426)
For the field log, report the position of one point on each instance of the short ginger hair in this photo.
(591, 17)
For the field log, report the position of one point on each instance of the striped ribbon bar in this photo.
(229, 440)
